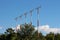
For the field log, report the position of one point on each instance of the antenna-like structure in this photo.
(20, 19)
(25, 14)
(31, 16)
(16, 22)
(38, 18)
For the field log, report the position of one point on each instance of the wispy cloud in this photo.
(47, 29)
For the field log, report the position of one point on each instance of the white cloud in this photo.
(18, 27)
(47, 29)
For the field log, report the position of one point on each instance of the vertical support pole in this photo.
(31, 16)
(16, 23)
(38, 19)
(25, 14)
(20, 20)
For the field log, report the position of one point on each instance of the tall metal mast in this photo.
(20, 20)
(25, 14)
(20, 17)
(16, 22)
(31, 16)
(38, 19)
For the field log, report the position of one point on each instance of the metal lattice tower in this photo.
(16, 22)
(20, 20)
(31, 16)
(20, 17)
(25, 14)
(38, 18)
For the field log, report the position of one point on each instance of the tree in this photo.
(10, 31)
(50, 36)
(2, 37)
(11, 35)
(57, 36)
(27, 32)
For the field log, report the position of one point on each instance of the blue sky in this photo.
(49, 12)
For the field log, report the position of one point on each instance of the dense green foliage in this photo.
(27, 32)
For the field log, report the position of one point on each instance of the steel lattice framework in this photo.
(30, 13)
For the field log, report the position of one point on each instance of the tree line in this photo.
(27, 32)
